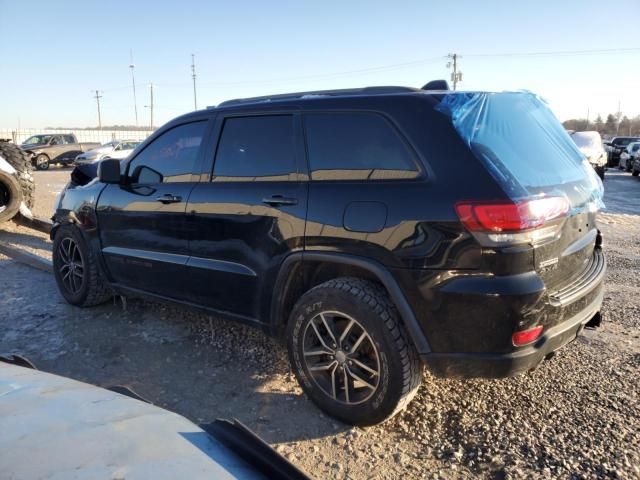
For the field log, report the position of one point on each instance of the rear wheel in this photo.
(76, 270)
(350, 353)
(600, 172)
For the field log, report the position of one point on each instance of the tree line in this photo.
(615, 125)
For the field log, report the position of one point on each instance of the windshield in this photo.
(623, 142)
(109, 144)
(588, 140)
(523, 145)
(634, 147)
(37, 139)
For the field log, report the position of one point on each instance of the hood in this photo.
(32, 146)
(97, 151)
(590, 151)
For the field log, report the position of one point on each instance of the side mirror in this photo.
(109, 171)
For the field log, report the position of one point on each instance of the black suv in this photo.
(375, 229)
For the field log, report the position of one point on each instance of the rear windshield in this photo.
(522, 144)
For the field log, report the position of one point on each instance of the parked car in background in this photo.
(113, 149)
(590, 144)
(53, 148)
(628, 156)
(335, 221)
(616, 146)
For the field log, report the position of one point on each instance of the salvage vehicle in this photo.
(62, 149)
(616, 146)
(113, 149)
(56, 427)
(590, 144)
(17, 187)
(628, 155)
(334, 221)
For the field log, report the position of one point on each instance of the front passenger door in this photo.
(143, 225)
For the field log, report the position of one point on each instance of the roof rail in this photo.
(320, 93)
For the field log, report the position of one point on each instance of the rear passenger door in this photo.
(363, 175)
(250, 214)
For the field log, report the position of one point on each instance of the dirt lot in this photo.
(576, 416)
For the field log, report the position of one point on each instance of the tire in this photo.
(15, 187)
(358, 307)
(42, 162)
(600, 172)
(82, 285)
(635, 173)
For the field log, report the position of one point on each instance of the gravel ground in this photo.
(576, 416)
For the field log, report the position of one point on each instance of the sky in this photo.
(54, 56)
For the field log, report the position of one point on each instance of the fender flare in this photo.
(382, 274)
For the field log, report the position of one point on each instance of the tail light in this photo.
(498, 223)
(525, 337)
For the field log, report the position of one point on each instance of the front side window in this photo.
(171, 157)
(69, 139)
(260, 148)
(356, 146)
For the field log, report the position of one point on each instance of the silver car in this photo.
(114, 149)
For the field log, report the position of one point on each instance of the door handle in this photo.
(168, 198)
(278, 200)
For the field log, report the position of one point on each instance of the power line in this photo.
(557, 53)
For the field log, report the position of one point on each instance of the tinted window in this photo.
(256, 148)
(173, 154)
(69, 139)
(356, 146)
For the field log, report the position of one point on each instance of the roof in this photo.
(438, 85)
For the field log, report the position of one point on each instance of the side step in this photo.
(41, 224)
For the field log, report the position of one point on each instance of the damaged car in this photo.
(334, 221)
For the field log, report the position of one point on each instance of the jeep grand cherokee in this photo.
(374, 229)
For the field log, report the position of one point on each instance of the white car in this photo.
(114, 149)
(628, 156)
(590, 144)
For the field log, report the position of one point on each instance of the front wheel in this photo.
(42, 162)
(76, 270)
(349, 352)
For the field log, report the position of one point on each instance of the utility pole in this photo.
(619, 117)
(587, 127)
(193, 75)
(133, 83)
(98, 97)
(151, 87)
(455, 75)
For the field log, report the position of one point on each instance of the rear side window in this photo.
(260, 148)
(356, 146)
(173, 155)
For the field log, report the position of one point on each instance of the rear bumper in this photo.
(508, 364)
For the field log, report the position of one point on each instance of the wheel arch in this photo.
(301, 271)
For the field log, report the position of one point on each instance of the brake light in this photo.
(511, 217)
(508, 223)
(525, 337)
